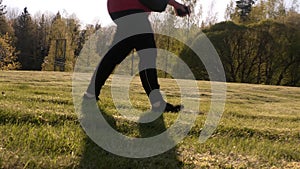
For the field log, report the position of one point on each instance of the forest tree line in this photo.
(30, 42)
(262, 47)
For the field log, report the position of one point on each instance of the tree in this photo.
(43, 29)
(230, 11)
(4, 26)
(43, 22)
(267, 52)
(211, 17)
(12, 13)
(245, 7)
(26, 34)
(232, 49)
(2, 9)
(8, 57)
(61, 50)
(85, 35)
(294, 6)
(73, 29)
(290, 74)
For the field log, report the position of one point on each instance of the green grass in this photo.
(39, 128)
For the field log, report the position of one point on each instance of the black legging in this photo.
(121, 49)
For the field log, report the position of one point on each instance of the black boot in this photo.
(167, 107)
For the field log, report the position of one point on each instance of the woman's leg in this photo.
(111, 59)
(148, 74)
(116, 54)
(147, 50)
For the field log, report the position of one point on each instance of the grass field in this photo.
(260, 127)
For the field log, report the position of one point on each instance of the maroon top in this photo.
(123, 5)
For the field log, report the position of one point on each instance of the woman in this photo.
(122, 47)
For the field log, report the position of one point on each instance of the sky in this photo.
(87, 11)
(92, 11)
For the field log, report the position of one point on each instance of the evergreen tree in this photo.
(4, 26)
(25, 31)
(8, 57)
(61, 52)
(73, 29)
(42, 38)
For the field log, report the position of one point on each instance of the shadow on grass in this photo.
(94, 157)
